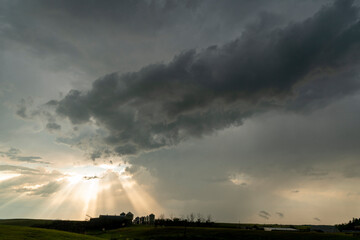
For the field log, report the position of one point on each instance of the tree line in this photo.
(353, 224)
(190, 220)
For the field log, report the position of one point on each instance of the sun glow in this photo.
(87, 190)
(75, 196)
(108, 166)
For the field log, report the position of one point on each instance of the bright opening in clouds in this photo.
(245, 110)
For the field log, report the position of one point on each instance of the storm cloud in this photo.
(301, 66)
(260, 98)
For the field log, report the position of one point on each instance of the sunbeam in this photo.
(141, 201)
(13, 200)
(85, 190)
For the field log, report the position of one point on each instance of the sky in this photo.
(245, 111)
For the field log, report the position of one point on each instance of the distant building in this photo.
(122, 220)
(270, 229)
(129, 215)
(151, 219)
(112, 221)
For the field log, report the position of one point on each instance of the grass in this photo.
(25, 222)
(8, 232)
(198, 233)
(20, 229)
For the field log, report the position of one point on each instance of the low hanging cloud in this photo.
(264, 214)
(300, 67)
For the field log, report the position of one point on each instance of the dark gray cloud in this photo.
(25, 109)
(90, 177)
(264, 214)
(21, 111)
(61, 30)
(200, 92)
(132, 169)
(317, 219)
(53, 126)
(13, 154)
(281, 215)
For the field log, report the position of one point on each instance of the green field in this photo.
(8, 232)
(198, 233)
(25, 222)
(19, 229)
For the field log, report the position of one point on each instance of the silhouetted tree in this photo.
(192, 217)
(208, 220)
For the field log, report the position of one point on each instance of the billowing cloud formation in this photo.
(295, 68)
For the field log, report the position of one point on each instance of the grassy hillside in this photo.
(20, 230)
(8, 232)
(25, 222)
(177, 233)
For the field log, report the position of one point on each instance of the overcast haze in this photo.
(244, 110)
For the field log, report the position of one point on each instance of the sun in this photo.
(74, 179)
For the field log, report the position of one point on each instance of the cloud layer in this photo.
(295, 68)
(13, 154)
